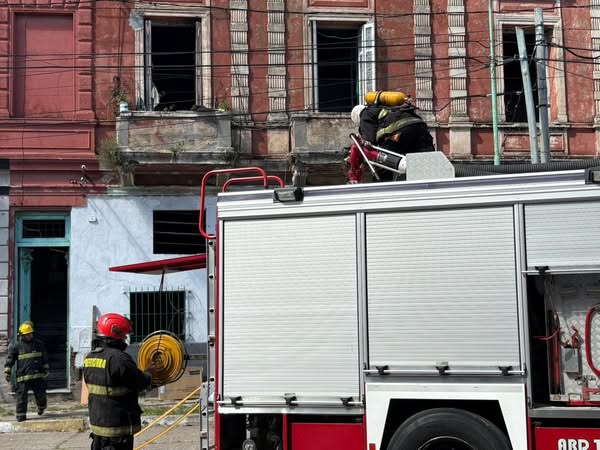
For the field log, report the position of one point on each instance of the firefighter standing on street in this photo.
(29, 356)
(114, 382)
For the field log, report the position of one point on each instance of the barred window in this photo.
(155, 310)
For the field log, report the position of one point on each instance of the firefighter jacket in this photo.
(114, 382)
(30, 359)
(380, 122)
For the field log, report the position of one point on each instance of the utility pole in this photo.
(493, 80)
(531, 122)
(540, 56)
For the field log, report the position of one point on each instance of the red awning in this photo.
(171, 265)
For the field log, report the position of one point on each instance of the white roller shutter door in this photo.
(563, 235)
(290, 309)
(442, 288)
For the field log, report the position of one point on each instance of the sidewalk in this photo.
(70, 415)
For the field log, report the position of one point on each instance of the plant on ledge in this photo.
(111, 158)
(118, 94)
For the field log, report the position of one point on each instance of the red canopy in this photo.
(159, 267)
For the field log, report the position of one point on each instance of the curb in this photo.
(82, 424)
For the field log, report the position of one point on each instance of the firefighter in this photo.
(29, 356)
(396, 128)
(114, 382)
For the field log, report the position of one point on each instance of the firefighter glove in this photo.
(7, 375)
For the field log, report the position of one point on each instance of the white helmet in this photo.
(355, 114)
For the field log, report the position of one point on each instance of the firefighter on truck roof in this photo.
(388, 120)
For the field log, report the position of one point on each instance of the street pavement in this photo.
(182, 437)
(65, 425)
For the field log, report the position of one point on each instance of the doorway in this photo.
(42, 288)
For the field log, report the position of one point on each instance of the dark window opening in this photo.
(514, 94)
(157, 311)
(173, 66)
(43, 229)
(177, 232)
(337, 68)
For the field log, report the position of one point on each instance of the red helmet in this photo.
(114, 326)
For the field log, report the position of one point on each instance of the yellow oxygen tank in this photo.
(386, 98)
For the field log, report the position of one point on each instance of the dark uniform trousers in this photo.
(39, 392)
(116, 443)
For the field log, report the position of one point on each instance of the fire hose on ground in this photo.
(165, 352)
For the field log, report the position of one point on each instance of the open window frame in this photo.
(200, 16)
(366, 54)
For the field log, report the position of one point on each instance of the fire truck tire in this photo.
(443, 428)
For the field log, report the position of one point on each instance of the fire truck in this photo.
(437, 314)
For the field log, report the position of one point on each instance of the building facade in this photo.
(111, 112)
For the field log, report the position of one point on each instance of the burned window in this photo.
(343, 64)
(514, 93)
(172, 55)
(177, 232)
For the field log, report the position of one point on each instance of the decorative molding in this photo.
(83, 32)
(338, 3)
(457, 52)
(595, 34)
(423, 54)
(277, 66)
(240, 91)
(144, 11)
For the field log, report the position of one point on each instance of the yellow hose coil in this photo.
(166, 352)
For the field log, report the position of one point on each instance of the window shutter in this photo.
(315, 64)
(366, 61)
(148, 64)
(199, 66)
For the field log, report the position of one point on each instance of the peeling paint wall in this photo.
(117, 230)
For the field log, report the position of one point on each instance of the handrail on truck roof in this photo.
(262, 177)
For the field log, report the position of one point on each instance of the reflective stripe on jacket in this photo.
(114, 382)
(30, 359)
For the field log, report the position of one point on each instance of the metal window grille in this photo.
(154, 310)
(43, 228)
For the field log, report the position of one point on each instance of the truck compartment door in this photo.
(442, 291)
(290, 313)
(563, 235)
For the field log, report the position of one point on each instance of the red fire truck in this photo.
(457, 313)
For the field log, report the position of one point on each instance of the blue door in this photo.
(41, 288)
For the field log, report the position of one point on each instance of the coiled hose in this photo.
(166, 353)
(473, 170)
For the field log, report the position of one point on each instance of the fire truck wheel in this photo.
(445, 428)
